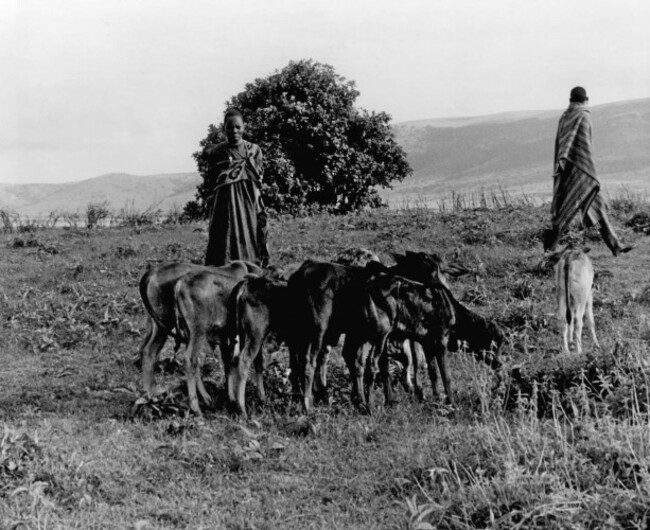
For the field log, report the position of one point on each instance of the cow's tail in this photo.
(144, 284)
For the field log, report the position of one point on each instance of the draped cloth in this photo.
(575, 187)
(237, 220)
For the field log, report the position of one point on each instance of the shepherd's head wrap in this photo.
(578, 95)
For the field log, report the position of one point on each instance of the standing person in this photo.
(237, 219)
(575, 186)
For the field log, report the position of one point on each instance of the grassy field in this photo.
(561, 442)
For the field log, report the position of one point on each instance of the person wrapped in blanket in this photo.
(238, 221)
(575, 186)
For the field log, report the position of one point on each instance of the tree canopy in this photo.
(320, 152)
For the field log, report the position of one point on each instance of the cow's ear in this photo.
(399, 258)
(455, 269)
(437, 274)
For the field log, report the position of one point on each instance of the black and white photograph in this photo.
(324, 264)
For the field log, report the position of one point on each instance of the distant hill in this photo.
(515, 150)
(119, 190)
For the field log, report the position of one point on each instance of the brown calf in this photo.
(202, 312)
(157, 293)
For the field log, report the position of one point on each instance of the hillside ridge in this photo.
(507, 150)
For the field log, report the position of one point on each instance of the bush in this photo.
(319, 149)
(96, 212)
(131, 217)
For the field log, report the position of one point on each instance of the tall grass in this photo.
(495, 198)
(489, 199)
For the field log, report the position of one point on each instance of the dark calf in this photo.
(321, 295)
(473, 332)
(425, 268)
(476, 334)
(418, 266)
(392, 305)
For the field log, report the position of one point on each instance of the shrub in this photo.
(96, 212)
(319, 149)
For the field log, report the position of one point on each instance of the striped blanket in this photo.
(575, 186)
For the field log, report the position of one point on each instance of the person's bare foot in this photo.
(623, 250)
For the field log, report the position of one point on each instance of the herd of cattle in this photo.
(309, 307)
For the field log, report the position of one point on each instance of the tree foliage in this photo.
(320, 151)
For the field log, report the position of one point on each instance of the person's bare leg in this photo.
(611, 239)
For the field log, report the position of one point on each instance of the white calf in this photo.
(575, 277)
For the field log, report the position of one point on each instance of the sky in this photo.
(93, 87)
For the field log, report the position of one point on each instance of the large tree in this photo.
(320, 151)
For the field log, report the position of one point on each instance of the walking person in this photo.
(575, 186)
(238, 223)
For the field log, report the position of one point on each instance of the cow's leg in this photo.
(205, 395)
(238, 346)
(440, 355)
(363, 359)
(562, 312)
(258, 360)
(225, 350)
(320, 382)
(355, 359)
(349, 354)
(407, 380)
(566, 330)
(370, 373)
(572, 327)
(578, 318)
(416, 355)
(147, 337)
(310, 360)
(430, 355)
(193, 354)
(199, 378)
(232, 376)
(590, 320)
(237, 377)
(384, 371)
(227, 347)
(149, 351)
(297, 348)
(190, 375)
